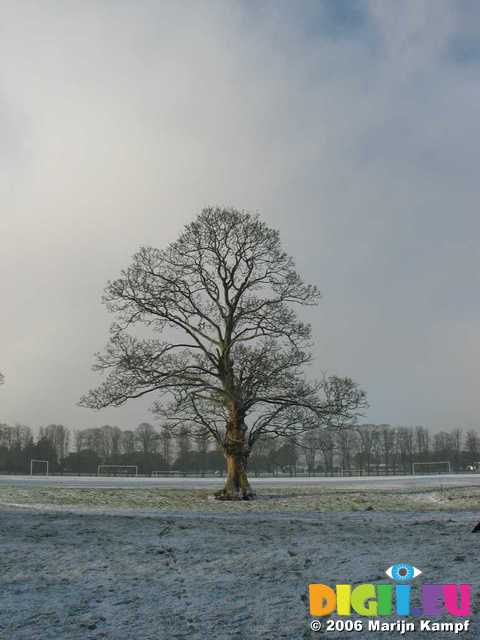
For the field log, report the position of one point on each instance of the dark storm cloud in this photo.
(351, 126)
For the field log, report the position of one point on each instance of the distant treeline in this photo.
(364, 449)
(81, 451)
(371, 448)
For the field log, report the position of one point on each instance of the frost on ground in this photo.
(300, 498)
(236, 571)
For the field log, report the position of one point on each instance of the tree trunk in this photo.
(236, 454)
(236, 486)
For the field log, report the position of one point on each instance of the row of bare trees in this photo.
(370, 448)
(361, 449)
(18, 446)
(82, 450)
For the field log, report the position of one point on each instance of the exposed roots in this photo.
(227, 494)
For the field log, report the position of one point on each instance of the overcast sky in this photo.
(353, 127)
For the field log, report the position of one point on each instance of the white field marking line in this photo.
(286, 479)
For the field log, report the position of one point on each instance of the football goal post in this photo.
(124, 470)
(39, 467)
(424, 468)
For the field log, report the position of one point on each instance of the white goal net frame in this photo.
(112, 467)
(33, 461)
(420, 468)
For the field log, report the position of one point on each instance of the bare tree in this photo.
(106, 441)
(422, 443)
(346, 442)
(203, 442)
(406, 446)
(455, 447)
(59, 438)
(147, 437)
(183, 441)
(441, 446)
(116, 436)
(128, 442)
(310, 446)
(6, 436)
(472, 447)
(223, 296)
(78, 440)
(165, 439)
(368, 435)
(326, 444)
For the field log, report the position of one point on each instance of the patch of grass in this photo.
(268, 499)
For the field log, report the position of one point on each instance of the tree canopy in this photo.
(226, 351)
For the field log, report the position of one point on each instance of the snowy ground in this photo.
(379, 482)
(160, 564)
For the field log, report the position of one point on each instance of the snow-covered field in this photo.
(160, 564)
(379, 482)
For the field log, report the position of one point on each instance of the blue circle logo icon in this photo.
(402, 572)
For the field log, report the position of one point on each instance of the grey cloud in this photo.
(348, 132)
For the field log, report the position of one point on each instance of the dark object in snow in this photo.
(476, 528)
(219, 495)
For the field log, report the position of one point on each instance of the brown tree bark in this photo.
(237, 486)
